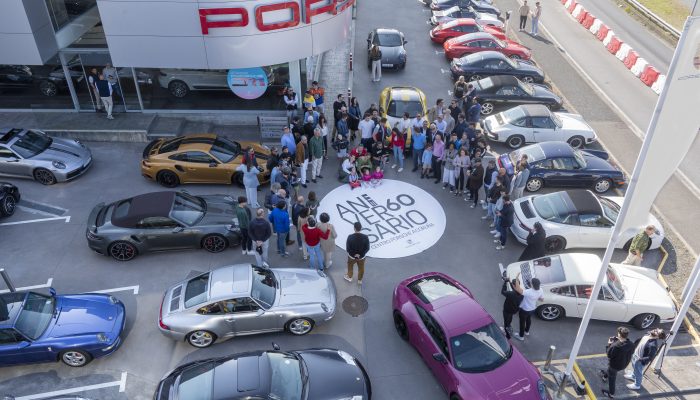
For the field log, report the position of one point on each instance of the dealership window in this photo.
(34, 87)
(64, 11)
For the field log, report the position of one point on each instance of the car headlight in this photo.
(58, 165)
(542, 390)
(402, 56)
(102, 338)
(79, 143)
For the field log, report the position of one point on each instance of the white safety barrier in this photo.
(659, 84)
(596, 26)
(568, 3)
(623, 52)
(577, 11)
(608, 37)
(639, 66)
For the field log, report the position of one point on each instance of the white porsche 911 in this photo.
(576, 219)
(629, 294)
(534, 123)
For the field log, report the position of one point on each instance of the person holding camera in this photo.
(260, 231)
(644, 353)
(619, 351)
(511, 305)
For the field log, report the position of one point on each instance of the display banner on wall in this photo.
(400, 219)
(247, 83)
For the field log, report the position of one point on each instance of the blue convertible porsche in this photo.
(72, 328)
(556, 164)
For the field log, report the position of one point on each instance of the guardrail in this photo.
(655, 19)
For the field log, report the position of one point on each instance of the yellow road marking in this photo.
(691, 329)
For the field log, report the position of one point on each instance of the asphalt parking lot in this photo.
(54, 252)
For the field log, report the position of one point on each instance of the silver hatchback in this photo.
(245, 299)
(28, 153)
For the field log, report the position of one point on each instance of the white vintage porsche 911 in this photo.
(629, 294)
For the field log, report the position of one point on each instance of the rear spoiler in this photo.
(92, 219)
(149, 147)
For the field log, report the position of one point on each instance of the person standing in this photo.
(302, 159)
(291, 99)
(366, 128)
(357, 246)
(536, 13)
(460, 90)
(93, 77)
(474, 111)
(535, 243)
(449, 121)
(640, 244)
(260, 232)
(297, 208)
(312, 238)
(317, 153)
(531, 296)
(511, 305)
(287, 140)
(475, 181)
(520, 181)
(112, 77)
(354, 117)
(323, 126)
(448, 162)
(279, 217)
(105, 91)
(524, 12)
(250, 182)
(505, 221)
(375, 57)
(490, 174)
(436, 110)
(462, 168)
(397, 145)
(418, 143)
(643, 354)
(243, 215)
(328, 244)
(438, 152)
(619, 351)
(317, 91)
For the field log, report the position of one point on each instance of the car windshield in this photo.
(555, 207)
(433, 288)
(481, 350)
(511, 62)
(614, 283)
(500, 42)
(196, 290)
(31, 143)
(468, 59)
(225, 150)
(264, 288)
(398, 107)
(513, 114)
(197, 382)
(285, 377)
(610, 208)
(557, 120)
(35, 315)
(534, 154)
(578, 155)
(485, 83)
(527, 88)
(450, 24)
(188, 209)
(389, 39)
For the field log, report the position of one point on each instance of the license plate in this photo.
(387, 65)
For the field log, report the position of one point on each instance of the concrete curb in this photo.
(133, 136)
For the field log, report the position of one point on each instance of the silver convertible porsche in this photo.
(28, 153)
(245, 299)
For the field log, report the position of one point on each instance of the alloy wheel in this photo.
(201, 339)
(527, 79)
(515, 141)
(475, 78)
(48, 89)
(168, 179)
(300, 326)
(648, 321)
(487, 108)
(400, 326)
(602, 186)
(550, 312)
(576, 142)
(214, 243)
(122, 251)
(554, 244)
(8, 205)
(44, 176)
(74, 358)
(514, 57)
(534, 185)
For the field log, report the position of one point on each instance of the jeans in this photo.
(524, 319)
(490, 209)
(475, 195)
(245, 240)
(274, 173)
(282, 242)
(503, 230)
(376, 70)
(417, 157)
(535, 25)
(523, 21)
(398, 156)
(262, 258)
(517, 193)
(315, 256)
(637, 371)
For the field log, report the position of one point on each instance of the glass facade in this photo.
(63, 12)
(34, 87)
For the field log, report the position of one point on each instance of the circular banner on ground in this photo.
(400, 219)
(247, 83)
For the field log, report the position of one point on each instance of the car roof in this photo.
(459, 314)
(230, 281)
(556, 149)
(387, 31)
(405, 93)
(476, 36)
(584, 201)
(580, 268)
(7, 134)
(464, 21)
(156, 204)
(502, 80)
(535, 110)
(201, 142)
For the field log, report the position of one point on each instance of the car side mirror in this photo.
(439, 357)
(405, 41)
(213, 165)
(275, 346)
(23, 344)
(52, 291)
(12, 159)
(260, 312)
(178, 229)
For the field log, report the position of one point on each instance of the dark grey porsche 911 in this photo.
(163, 221)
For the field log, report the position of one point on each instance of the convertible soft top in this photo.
(156, 204)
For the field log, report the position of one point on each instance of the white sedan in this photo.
(534, 123)
(576, 219)
(483, 19)
(629, 294)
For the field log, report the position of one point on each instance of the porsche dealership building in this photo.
(189, 55)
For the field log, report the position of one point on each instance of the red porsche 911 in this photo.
(481, 41)
(462, 26)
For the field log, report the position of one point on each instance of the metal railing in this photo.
(655, 19)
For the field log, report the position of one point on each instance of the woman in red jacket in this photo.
(397, 144)
(312, 239)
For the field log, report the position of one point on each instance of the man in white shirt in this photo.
(531, 296)
(417, 122)
(366, 127)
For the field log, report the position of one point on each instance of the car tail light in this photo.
(160, 316)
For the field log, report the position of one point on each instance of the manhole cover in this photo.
(355, 305)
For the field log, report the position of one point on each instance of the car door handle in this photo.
(229, 319)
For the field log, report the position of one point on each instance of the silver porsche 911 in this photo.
(29, 153)
(245, 299)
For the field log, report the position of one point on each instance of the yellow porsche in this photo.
(202, 158)
(397, 100)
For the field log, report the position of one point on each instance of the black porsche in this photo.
(489, 63)
(508, 91)
(9, 197)
(314, 374)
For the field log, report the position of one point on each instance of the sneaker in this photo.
(492, 225)
(493, 232)
(251, 253)
(306, 258)
(466, 199)
(313, 180)
(304, 185)
(497, 235)
(633, 386)
(629, 377)
(300, 248)
(606, 393)
(347, 278)
(330, 263)
(486, 217)
(393, 166)
(285, 255)
(444, 186)
(527, 333)
(319, 176)
(359, 282)
(497, 240)
(500, 247)
(244, 252)
(399, 170)
(519, 337)
(110, 117)
(472, 206)
(482, 201)
(266, 265)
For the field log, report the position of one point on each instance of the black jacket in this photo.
(357, 243)
(296, 210)
(535, 246)
(259, 229)
(619, 354)
(507, 215)
(511, 304)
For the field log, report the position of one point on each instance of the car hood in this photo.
(642, 289)
(528, 66)
(65, 150)
(514, 380)
(391, 54)
(596, 163)
(573, 122)
(81, 315)
(221, 209)
(334, 374)
(303, 286)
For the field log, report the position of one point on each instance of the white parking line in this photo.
(120, 383)
(29, 221)
(20, 289)
(135, 289)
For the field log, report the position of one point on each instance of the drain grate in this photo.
(355, 305)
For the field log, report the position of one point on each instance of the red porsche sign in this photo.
(300, 11)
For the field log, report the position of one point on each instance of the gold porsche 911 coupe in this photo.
(202, 158)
